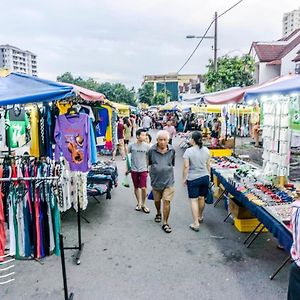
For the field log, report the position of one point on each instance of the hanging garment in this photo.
(108, 135)
(2, 220)
(63, 107)
(93, 148)
(35, 131)
(3, 146)
(101, 126)
(72, 136)
(18, 123)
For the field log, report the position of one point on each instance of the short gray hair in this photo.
(163, 133)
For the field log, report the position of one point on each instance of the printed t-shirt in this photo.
(18, 123)
(101, 126)
(72, 136)
(63, 107)
(139, 156)
(198, 159)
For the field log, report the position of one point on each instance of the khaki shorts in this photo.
(166, 195)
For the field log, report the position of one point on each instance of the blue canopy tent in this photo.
(286, 85)
(21, 89)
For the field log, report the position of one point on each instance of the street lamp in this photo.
(215, 37)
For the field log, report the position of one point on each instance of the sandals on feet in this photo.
(138, 208)
(157, 218)
(194, 228)
(201, 220)
(166, 228)
(145, 210)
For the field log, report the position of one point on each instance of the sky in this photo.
(123, 40)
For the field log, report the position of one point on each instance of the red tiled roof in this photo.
(297, 58)
(268, 52)
(286, 38)
(272, 52)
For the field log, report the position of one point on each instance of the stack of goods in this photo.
(102, 178)
(276, 136)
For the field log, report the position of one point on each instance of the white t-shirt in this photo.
(146, 122)
(2, 133)
(198, 159)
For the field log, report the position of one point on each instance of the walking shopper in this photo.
(139, 171)
(294, 282)
(171, 130)
(161, 159)
(120, 146)
(196, 170)
(146, 122)
(127, 133)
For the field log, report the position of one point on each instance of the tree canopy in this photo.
(147, 95)
(232, 72)
(117, 92)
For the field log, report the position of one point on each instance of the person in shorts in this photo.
(139, 169)
(196, 175)
(161, 160)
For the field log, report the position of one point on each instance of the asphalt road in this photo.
(128, 256)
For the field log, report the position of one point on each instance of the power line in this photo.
(202, 38)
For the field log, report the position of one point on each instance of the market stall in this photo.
(48, 148)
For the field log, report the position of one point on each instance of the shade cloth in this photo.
(285, 85)
(282, 234)
(21, 89)
(88, 95)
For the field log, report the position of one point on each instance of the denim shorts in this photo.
(198, 187)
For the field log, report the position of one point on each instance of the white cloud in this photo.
(123, 40)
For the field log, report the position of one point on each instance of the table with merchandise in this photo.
(270, 204)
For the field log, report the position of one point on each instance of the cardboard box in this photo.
(238, 211)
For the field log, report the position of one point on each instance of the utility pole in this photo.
(216, 43)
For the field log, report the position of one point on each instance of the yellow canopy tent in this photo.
(123, 109)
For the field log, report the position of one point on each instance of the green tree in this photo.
(117, 92)
(159, 99)
(146, 93)
(232, 72)
(66, 77)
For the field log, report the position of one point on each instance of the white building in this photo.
(17, 60)
(290, 22)
(276, 58)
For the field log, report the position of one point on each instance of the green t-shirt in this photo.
(18, 124)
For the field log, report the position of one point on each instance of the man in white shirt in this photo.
(146, 122)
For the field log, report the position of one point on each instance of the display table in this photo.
(279, 231)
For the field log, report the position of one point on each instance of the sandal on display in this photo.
(157, 218)
(145, 210)
(166, 228)
(194, 228)
(138, 208)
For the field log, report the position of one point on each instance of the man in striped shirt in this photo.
(294, 282)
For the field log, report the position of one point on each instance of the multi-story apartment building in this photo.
(290, 22)
(17, 60)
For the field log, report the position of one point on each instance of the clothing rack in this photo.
(62, 248)
(80, 245)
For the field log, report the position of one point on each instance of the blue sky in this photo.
(120, 41)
